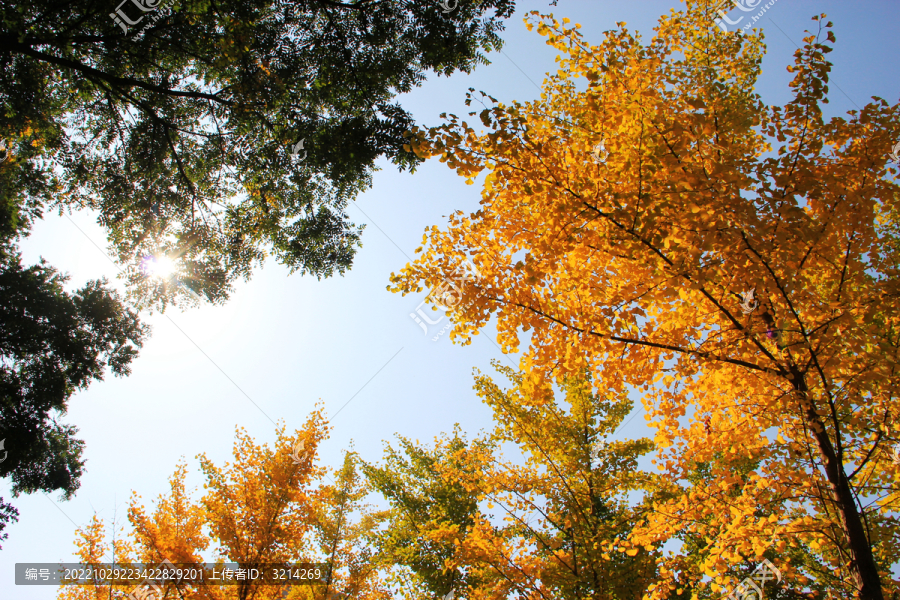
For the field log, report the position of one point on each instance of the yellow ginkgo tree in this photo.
(652, 220)
(267, 507)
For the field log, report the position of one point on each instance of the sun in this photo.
(160, 267)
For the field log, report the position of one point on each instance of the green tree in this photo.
(564, 513)
(568, 509)
(179, 129)
(52, 344)
(428, 512)
(8, 513)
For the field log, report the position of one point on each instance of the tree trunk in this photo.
(862, 562)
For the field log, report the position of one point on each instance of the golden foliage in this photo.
(266, 507)
(633, 268)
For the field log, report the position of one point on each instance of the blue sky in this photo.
(285, 343)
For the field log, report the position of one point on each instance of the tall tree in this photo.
(8, 514)
(208, 135)
(568, 510)
(269, 506)
(739, 259)
(431, 511)
(476, 519)
(259, 508)
(174, 530)
(344, 528)
(52, 344)
(93, 549)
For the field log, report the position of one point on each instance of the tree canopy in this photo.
(660, 226)
(537, 509)
(269, 506)
(563, 517)
(657, 233)
(431, 511)
(53, 343)
(177, 122)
